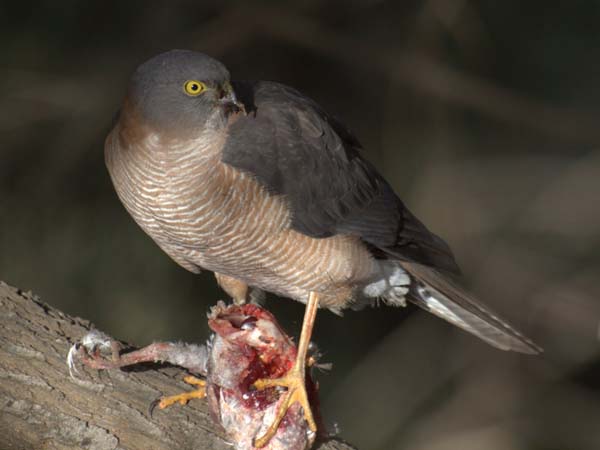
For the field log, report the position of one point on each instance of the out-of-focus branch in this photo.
(42, 407)
(416, 71)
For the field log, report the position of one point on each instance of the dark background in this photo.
(484, 116)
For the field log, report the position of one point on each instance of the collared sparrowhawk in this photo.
(257, 183)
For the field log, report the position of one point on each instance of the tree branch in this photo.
(42, 407)
(415, 70)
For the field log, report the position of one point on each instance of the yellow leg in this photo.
(185, 397)
(238, 290)
(294, 380)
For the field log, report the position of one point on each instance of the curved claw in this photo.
(296, 392)
(153, 406)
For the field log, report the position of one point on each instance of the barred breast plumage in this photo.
(207, 214)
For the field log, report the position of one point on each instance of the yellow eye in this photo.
(193, 87)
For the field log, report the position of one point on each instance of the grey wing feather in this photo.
(297, 150)
(441, 296)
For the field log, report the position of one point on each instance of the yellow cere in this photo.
(194, 87)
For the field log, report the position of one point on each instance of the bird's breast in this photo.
(205, 213)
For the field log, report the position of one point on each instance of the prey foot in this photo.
(296, 392)
(185, 397)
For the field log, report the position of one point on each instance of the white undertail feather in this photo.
(391, 284)
(398, 281)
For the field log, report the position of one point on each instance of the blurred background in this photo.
(484, 116)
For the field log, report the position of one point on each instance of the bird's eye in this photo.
(194, 88)
(249, 323)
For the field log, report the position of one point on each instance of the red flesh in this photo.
(262, 362)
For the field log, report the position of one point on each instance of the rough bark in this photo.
(42, 407)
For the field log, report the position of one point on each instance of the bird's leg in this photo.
(294, 380)
(189, 356)
(236, 289)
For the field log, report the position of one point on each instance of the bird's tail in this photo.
(439, 295)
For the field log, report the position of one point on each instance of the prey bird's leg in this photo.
(294, 380)
(189, 356)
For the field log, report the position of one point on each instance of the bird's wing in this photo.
(295, 149)
(439, 295)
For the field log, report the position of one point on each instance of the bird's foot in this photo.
(296, 392)
(92, 350)
(185, 397)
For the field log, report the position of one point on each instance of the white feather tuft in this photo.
(391, 284)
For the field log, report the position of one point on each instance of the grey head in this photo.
(182, 90)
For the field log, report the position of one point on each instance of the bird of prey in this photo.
(255, 182)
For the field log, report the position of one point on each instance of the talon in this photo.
(296, 392)
(184, 397)
(152, 407)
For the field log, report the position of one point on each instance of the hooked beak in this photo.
(229, 100)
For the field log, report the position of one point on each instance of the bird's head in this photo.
(250, 326)
(182, 91)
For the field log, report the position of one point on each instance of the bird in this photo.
(256, 182)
